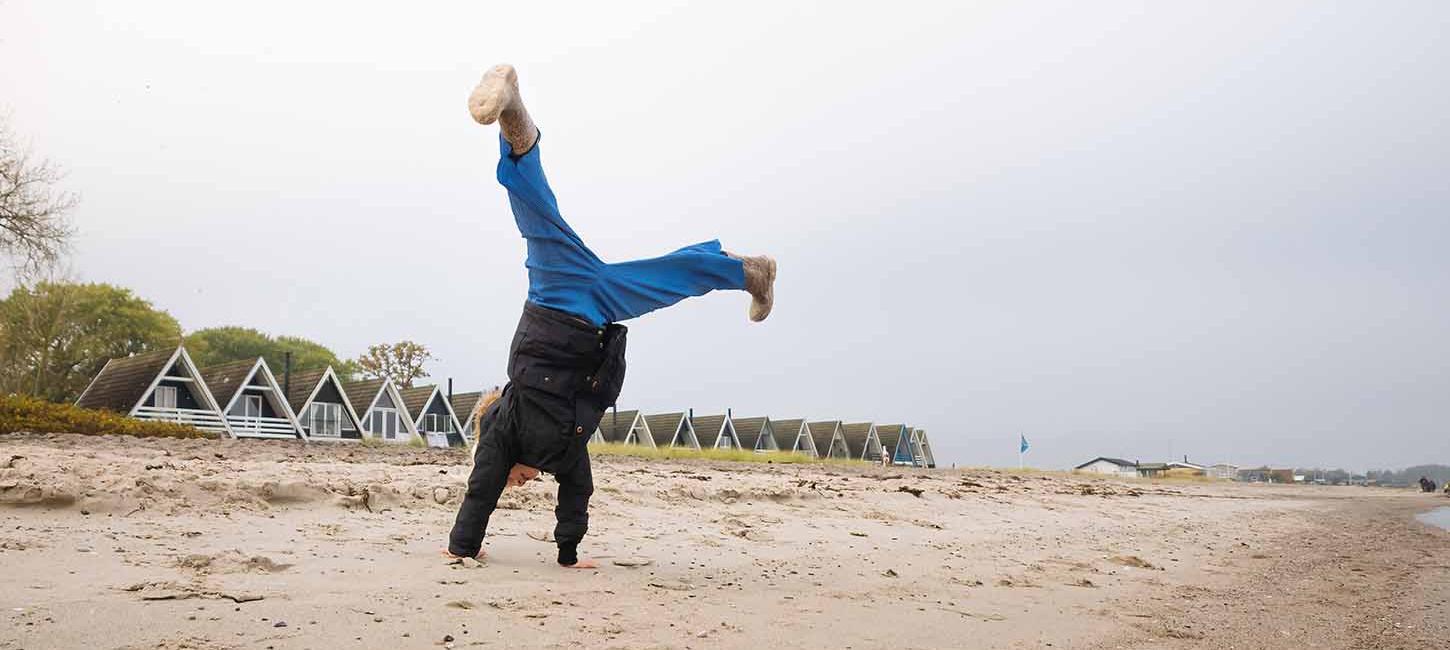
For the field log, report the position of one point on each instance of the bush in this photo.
(20, 413)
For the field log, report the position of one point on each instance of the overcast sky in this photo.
(1219, 229)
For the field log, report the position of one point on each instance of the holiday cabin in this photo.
(162, 386)
(322, 408)
(252, 401)
(383, 415)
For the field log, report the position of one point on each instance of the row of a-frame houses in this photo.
(892, 443)
(244, 399)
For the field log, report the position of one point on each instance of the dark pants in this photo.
(492, 460)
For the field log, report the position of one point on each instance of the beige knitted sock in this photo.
(759, 282)
(497, 99)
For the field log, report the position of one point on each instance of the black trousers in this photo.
(492, 460)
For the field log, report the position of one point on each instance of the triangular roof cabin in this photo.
(384, 416)
(755, 433)
(862, 442)
(829, 438)
(464, 405)
(252, 401)
(898, 440)
(672, 430)
(792, 435)
(717, 431)
(625, 428)
(433, 416)
(321, 405)
(163, 385)
(923, 449)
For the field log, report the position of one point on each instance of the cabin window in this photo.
(325, 420)
(436, 423)
(166, 397)
(385, 423)
(252, 407)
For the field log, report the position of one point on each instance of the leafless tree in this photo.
(34, 227)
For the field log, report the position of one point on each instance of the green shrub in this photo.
(33, 415)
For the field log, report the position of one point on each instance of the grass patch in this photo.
(28, 414)
(732, 455)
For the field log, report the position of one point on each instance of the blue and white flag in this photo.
(1024, 447)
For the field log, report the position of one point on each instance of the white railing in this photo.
(199, 418)
(244, 425)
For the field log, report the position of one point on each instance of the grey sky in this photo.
(1136, 229)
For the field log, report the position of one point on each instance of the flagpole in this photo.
(1020, 463)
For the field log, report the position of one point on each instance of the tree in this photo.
(402, 362)
(215, 345)
(56, 336)
(33, 224)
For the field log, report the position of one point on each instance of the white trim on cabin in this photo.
(873, 440)
(209, 419)
(263, 427)
(452, 417)
(398, 407)
(639, 431)
(683, 424)
(346, 402)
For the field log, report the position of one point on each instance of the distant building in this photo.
(1152, 470)
(1109, 466)
(1266, 475)
(1224, 472)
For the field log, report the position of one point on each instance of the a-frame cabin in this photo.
(383, 414)
(252, 401)
(464, 405)
(625, 428)
(717, 432)
(433, 416)
(672, 430)
(897, 440)
(792, 435)
(321, 405)
(923, 449)
(829, 438)
(862, 441)
(163, 386)
(756, 433)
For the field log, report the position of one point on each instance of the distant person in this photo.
(566, 362)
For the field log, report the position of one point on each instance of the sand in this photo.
(126, 543)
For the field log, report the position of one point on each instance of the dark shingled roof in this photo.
(707, 427)
(890, 435)
(786, 432)
(1116, 461)
(615, 425)
(123, 382)
(464, 403)
(301, 388)
(362, 393)
(663, 427)
(823, 433)
(749, 430)
(415, 398)
(856, 434)
(224, 380)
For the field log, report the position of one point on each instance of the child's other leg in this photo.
(631, 289)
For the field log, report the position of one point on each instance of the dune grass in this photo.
(732, 455)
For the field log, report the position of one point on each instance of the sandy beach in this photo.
(129, 543)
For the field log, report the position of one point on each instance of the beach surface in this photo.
(110, 542)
